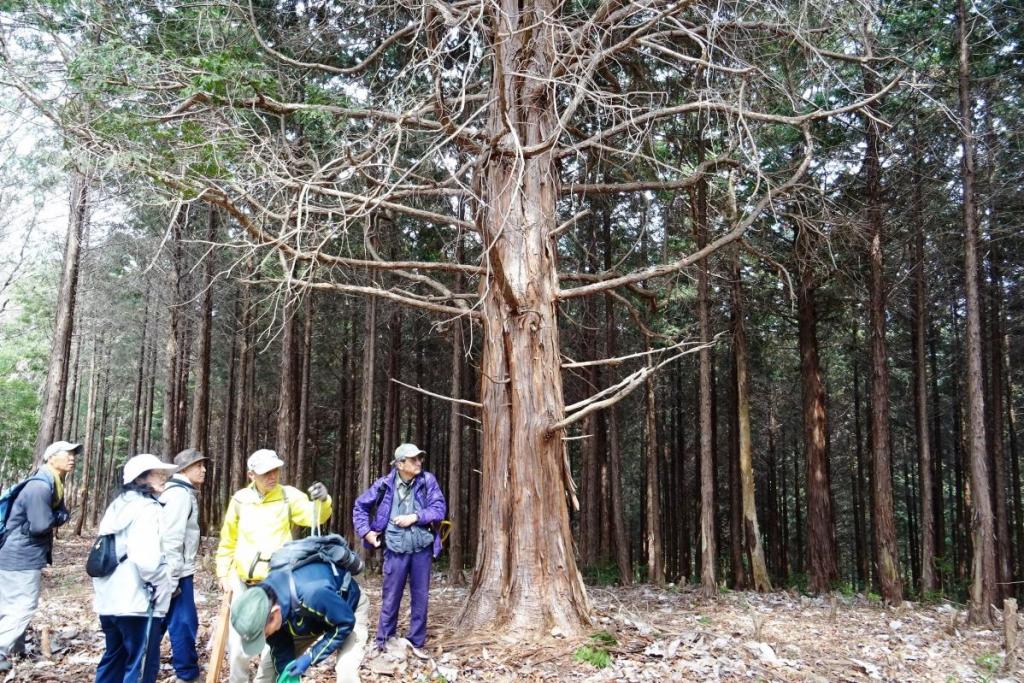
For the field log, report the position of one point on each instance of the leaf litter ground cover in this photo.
(640, 634)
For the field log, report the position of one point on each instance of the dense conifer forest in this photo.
(722, 293)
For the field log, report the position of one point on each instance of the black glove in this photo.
(61, 516)
(317, 491)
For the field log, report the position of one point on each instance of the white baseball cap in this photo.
(142, 463)
(59, 447)
(407, 450)
(263, 461)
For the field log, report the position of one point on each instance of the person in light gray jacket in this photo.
(27, 545)
(138, 591)
(180, 543)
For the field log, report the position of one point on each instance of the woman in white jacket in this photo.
(139, 589)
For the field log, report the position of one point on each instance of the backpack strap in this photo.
(193, 510)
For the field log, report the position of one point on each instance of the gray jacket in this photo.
(34, 515)
(180, 526)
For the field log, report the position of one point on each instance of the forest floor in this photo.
(641, 634)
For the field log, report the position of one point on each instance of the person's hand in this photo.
(61, 517)
(403, 521)
(317, 491)
(162, 591)
(373, 538)
(297, 667)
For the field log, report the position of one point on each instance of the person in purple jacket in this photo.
(407, 508)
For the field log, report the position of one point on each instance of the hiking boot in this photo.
(5, 664)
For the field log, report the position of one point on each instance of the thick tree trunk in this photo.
(886, 550)
(821, 552)
(983, 562)
(200, 436)
(54, 391)
(525, 580)
(751, 530)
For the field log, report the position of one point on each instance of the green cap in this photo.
(249, 614)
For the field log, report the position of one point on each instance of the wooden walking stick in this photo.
(220, 640)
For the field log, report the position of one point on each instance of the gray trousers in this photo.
(19, 598)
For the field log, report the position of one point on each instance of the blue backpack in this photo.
(7, 503)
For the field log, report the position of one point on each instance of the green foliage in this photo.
(604, 638)
(595, 656)
(989, 661)
(845, 588)
(24, 349)
(605, 574)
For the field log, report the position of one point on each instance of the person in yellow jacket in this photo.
(259, 520)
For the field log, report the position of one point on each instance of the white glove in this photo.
(317, 491)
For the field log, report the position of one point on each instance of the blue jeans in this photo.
(122, 659)
(181, 625)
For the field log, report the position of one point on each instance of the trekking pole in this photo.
(316, 517)
(149, 625)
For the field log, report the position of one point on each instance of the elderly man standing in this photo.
(180, 540)
(258, 521)
(409, 510)
(28, 543)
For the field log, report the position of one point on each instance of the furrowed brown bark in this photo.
(751, 529)
(821, 553)
(55, 388)
(200, 435)
(525, 579)
(983, 588)
(887, 560)
(919, 308)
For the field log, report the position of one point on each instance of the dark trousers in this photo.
(181, 625)
(126, 640)
(400, 568)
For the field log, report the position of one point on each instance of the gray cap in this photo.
(59, 447)
(187, 458)
(407, 450)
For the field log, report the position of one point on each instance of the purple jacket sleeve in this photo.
(435, 508)
(361, 510)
